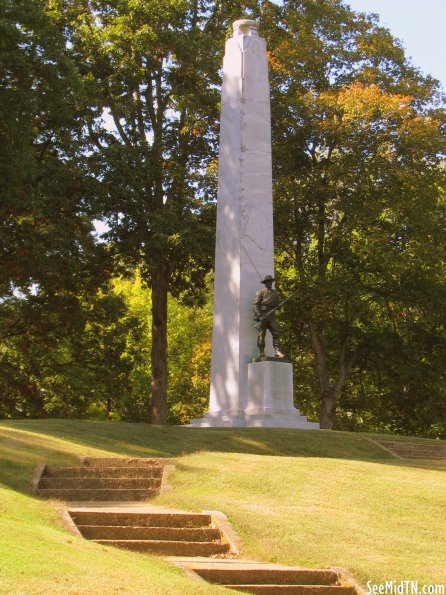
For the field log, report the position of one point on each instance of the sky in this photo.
(419, 24)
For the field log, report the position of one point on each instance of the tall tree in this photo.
(45, 217)
(359, 143)
(150, 71)
(48, 253)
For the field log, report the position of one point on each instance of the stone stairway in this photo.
(270, 579)
(104, 495)
(100, 479)
(415, 450)
(162, 533)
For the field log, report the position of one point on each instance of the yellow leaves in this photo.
(199, 128)
(275, 64)
(212, 169)
(388, 215)
(284, 59)
(360, 116)
(174, 239)
(421, 132)
(199, 365)
(386, 151)
(196, 128)
(358, 101)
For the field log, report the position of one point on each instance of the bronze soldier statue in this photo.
(266, 300)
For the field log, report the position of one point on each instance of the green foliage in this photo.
(102, 368)
(110, 110)
(46, 223)
(189, 352)
(87, 370)
(152, 69)
(190, 346)
(359, 148)
(51, 263)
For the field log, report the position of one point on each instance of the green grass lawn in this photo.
(298, 497)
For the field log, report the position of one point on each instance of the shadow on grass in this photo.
(25, 444)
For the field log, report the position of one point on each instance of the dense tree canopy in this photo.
(152, 69)
(109, 110)
(359, 203)
(49, 259)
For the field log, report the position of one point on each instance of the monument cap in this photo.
(267, 278)
(245, 27)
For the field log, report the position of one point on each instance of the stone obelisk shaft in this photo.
(243, 392)
(245, 244)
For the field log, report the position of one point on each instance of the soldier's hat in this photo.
(267, 278)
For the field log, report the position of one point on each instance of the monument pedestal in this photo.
(269, 403)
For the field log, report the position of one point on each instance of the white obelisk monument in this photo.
(243, 392)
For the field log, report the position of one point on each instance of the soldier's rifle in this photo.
(258, 325)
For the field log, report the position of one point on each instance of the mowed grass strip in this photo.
(379, 520)
(298, 497)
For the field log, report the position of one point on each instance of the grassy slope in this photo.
(296, 497)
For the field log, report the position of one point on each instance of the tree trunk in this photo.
(328, 398)
(329, 393)
(327, 409)
(108, 407)
(160, 281)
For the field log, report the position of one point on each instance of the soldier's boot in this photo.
(277, 352)
(261, 350)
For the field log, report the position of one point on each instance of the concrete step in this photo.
(140, 519)
(85, 495)
(268, 579)
(413, 450)
(429, 451)
(87, 472)
(149, 533)
(266, 575)
(420, 455)
(121, 462)
(418, 445)
(99, 483)
(293, 589)
(169, 548)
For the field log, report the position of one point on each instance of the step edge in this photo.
(93, 479)
(263, 588)
(155, 461)
(279, 585)
(228, 535)
(95, 489)
(70, 470)
(161, 541)
(178, 530)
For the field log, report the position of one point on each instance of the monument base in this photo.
(269, 401)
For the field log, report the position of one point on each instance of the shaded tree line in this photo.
(109, 112)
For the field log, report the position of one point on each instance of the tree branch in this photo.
(120, 129)
(321, 357)
(148, 95)
(94, 137)
(139, 116)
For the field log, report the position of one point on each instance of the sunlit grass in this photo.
(381, 521)
(297, 497)
(38, 555)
